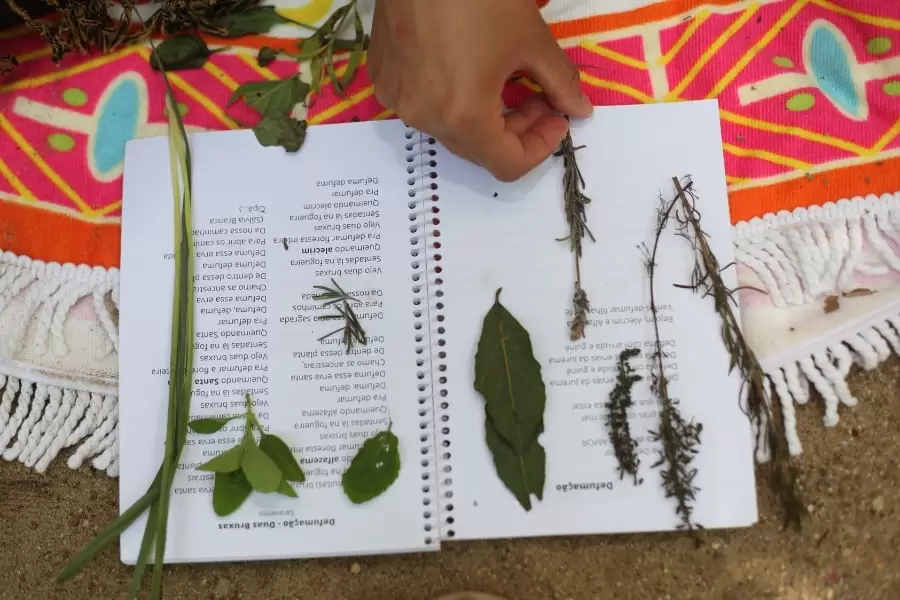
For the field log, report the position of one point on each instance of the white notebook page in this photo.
(495, 235)
(343, 199)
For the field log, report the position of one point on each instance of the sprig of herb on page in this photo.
(266, 466)
(617, 407)
(763, 410)
(352, 332)
(155, 500)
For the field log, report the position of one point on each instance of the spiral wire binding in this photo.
(428, 307)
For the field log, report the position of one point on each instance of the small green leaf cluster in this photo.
(267, 465)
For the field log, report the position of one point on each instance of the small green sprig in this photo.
(266, 466)
(352, 332)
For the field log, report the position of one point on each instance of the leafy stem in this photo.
(352, 332)
(620, 401)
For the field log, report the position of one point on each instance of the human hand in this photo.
(441, 66)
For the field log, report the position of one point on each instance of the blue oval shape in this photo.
(116, 124)
(831, 69)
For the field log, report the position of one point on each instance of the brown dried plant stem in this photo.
(679, 439)
(764, 412)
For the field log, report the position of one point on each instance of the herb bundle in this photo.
(764, 413)
(352, 331)
(266, 466)
(575, 203)
(509, 378)
(620, 401)
(156, 499)
(374, 468)
(679, 439)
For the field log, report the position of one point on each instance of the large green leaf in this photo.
(256, 20)
(272, 98)
(522, 473)
(281, 453)
(227, 462)
(509, 378)
(230, 491)
(284, 131)
(180, 52)
(374, 468)
(261, 471)
(209, 425)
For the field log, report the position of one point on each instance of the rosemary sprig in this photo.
(624, 446)
(156, 499)
(575, 202)
(352, 331)
(764, 413)
(679, 438)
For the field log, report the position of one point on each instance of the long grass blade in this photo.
(144, 553)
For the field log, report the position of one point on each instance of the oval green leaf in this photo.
(208, 425)
(261, 471)
(801, 102)
(285, 489)
(272, 98)
(281, 454)
(891, 88)
(522, 473)
(879, 45)
(374, 468)
(180, 52)
(509, 378)
(266, 56)
(783, 62)
(257, 20)
(230, 491)
(227, 462)
(284, 131)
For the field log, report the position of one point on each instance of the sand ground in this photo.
(850, 548)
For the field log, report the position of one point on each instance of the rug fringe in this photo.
(37, 421)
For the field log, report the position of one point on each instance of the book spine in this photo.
(425, 250)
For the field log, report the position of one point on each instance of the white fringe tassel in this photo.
(805, 255)
(37, 421)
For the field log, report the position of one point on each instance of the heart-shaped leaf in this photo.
(180, 52)
(281, 453)
(272, 98)
(261, 471)
(209, 425)
(230, 491)
(284, 131)
(227, 462)
(374, 468)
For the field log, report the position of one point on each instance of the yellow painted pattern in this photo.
(752, 52)
(103, 211)
(696, 22)
(31, 82)
(795, 131)
(887, 138)
(861, 17)
(221, 75)
(616, 86)
(772, 157)
(385, 114)
(340, 107)
(16, 183)
(251, 60)
(43, 167)
(618, 57)
(711, 52)
(312, 12)
(33, 55)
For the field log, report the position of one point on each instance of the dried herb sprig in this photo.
(156, 499)
(764, 413)
(679, 438)
(575, 202)
(620, 401)
(352, 331)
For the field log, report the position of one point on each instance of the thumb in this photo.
(559, 78)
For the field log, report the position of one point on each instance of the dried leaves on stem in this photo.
(575, 203)
(763, 411)
(335, 297)
(620, 401)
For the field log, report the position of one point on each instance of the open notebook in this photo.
(425, 239)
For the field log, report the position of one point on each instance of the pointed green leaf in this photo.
(316, 71)
(272, 98)
(209, 425)
(356, 54)
(180, 52)
(285, 489)
(523, 474)
(227, 462)
(509, 378)
(801, 102)
(284, 131)
(230, 491)
(260, 470)
(281, 453)
(374, 468)
(256, 20)
(783, 62)
(266, 56)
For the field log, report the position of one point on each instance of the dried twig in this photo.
(624, 446)
(764, 413)
(575, 203)
(679, 439)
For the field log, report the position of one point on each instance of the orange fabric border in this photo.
(638, 16)
(50, 236)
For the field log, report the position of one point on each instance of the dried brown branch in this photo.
(575, 203)
(617, 407)
(763, 411)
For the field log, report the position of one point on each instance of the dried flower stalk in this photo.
(575, 203)
(620, 401)
(764, 413)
